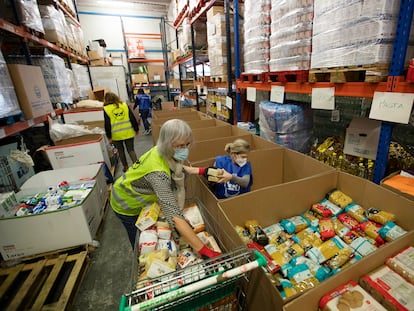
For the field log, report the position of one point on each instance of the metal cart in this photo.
(213, 284)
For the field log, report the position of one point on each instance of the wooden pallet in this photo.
(287, 76)
(252, 77)
(363, 73)
(34, 32)
(222, 78)
(47, 284)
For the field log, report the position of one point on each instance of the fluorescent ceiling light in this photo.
(115, 3)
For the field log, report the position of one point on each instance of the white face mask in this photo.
(241, 161)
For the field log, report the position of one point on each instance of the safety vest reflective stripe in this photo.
(121, 127)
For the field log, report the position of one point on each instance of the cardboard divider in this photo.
(194, 124)
(271, 204)
(206, 149)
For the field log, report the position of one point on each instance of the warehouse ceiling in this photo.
(160, 6)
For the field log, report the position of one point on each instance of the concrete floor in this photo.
(109, 274)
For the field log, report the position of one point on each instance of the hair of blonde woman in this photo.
(111, 98)
(172, 131)
(238, 146)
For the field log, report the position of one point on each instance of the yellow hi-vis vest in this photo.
(124, 199)
(121, 126)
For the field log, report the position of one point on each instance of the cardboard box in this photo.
(85, 115)
(167, 105)
(95, 55)
(156, 73)
(77, 151)
(362, 138)
(139, 78)
(98, 93)
(31, 90)
(35, 234)
(216, 132)
(269, 205)
(406, 185)
(159, 114)
(99, 62)
(207, 149)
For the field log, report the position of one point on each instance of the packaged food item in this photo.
(403, 263)
(158, 267)
(302, 278)
(147, 241)
(326, 250)
(339, 198)
(148, 216)
(320, 272)
(349, 297)
(185, 258)
(271, 266)
(213, 174)
(391, 231)
(280, 257)
(307, 238)
(371, 229)
(294, 224)
(389, 288)
(209, 241)
(341, 258)
(243, 233)
(339, 228)
(360, 244)
(335, 209)
(168, 245)
(193, 216)
(379, 216)
(163, 230)
(326, 228)
(256, 232)
(321, 210)
(276, 234)
(348, 221)
(286, 287)
(311, 218)
(356, 211)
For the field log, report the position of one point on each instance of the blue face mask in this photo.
(181, 154)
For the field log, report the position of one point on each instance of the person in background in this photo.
(158, 176)
(120, 127)
(236, 172)
(143, 101)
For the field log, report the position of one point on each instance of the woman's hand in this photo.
(224, 177)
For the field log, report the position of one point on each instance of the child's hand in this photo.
(224, 176)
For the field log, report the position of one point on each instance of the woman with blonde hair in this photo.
(120, 127)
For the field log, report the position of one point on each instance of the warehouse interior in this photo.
(322, 92)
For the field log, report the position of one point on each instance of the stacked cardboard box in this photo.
(9, 104)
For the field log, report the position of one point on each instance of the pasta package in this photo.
(339, 228)
(307, 238)
(335, 209)
(371, 229)
(256, 232)
(403, 263)
(391, 231)
(348, 221)
(340, 259)
(326, 250)
(302, 278)
(321, 210)
(326, 228)
(294, 224)
(356, 211)
(311, 218)
(243, 233)
(379, 216)
(339, 198)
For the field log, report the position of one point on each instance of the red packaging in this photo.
(272, 267)
(371, 229)
(321, 210)
(348, 221)
(410, 72)
(326, 228)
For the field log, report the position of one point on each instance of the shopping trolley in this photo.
(212, 284)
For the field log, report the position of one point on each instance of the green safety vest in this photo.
(121, 126)
(124, 199)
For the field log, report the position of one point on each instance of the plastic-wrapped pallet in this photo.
(256, 36)
(288, 124)
(349, 33)
(73, 86)
(29, 15)
(9, 105)
(80, 73)
(291, 35)
(54, 24)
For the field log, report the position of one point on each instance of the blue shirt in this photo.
(229, 189)
(143, 101)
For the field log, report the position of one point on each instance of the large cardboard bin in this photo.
(77, 151)
(271, 204)
(207, 149)
(35, 234)
(83, 115)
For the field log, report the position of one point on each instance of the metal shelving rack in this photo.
(20, 31)
(395, 83)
